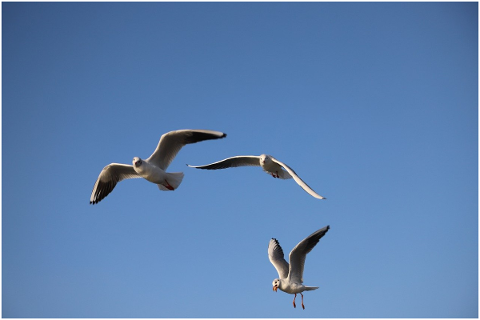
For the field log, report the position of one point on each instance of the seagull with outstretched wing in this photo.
(153, 168)
(290, 277)
(269, 164)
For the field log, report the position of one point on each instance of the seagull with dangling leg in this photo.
(291, 275)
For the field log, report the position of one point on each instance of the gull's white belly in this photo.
(271, 167)
(293, 288)
(151, 173)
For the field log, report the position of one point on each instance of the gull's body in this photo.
(269, 164)
(153, 168)
(290, 276)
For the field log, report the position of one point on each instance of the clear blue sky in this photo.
(373, 104)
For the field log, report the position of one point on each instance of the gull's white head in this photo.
(276, 284)
(137, 162)
(265, 159)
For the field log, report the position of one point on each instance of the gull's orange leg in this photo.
(294, 301)
(275, 174)
(302, 301)
(168, 186)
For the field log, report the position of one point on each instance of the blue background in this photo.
(374, 105)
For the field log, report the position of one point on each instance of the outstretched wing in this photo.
(108, 179)
(275, 254)
(297, 179)
(171, 142)
(299, 253)
(238, 161)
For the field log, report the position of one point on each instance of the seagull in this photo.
(269, 164)
(153, 168)
(291, 276)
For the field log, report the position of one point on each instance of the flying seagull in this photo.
(269, 164)
(291, 276)
(153, 168)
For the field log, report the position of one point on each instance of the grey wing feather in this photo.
(171, 142)
(299, 254)
(238, 161)
(299, 181)
(108, 179)
(275, 254)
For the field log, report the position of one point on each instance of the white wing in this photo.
(297, 179)
(171, 142)
(275, 254)
(108, 179)
(299, 253)
(238, 161)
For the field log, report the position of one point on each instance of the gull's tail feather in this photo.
(173, 180)
(310, 288)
